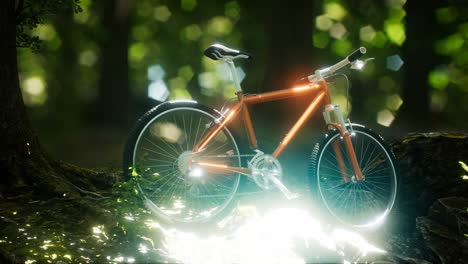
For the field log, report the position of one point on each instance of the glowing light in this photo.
(301, 88)
(394, 102)
(196, 173)
(273, 238)
(158, 90)
(335, 10)
(219, 26)
(394, 62)
(162, 13)
(385, 118)
(439, 78)
(192, 32)
(137, 52)
(338, 31)
(143, 249)
(232, 10)
(188, 5)
(155, 72)
(367, 33)
(34, 91)
(169, 131)
(208, 80)
(438, 100)
(185, 72)
(323, 22)
(320, 39)
(87, 58)
(395, 32)
(358, 65)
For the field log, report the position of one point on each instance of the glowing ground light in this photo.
(285, 235)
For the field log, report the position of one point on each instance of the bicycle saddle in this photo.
(218, 52)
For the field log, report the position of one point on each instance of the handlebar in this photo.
(324, 73)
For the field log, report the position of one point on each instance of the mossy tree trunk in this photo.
(24, 166)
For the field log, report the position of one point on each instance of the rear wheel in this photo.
(357, 203)
(158, 154)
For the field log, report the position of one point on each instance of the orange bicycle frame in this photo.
(322, 96)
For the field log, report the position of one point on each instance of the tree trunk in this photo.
(18, 143)
(23, 164)
(419, 59)
(113, 95)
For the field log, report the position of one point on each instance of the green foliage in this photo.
(32, 13)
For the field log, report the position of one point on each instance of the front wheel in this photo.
(158, 154)
(363, 203)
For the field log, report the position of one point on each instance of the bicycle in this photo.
(187, 163)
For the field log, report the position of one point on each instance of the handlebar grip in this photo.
(356, 54)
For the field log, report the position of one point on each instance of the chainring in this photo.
(263, 165)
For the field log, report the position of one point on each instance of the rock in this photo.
(429, 169)
(444, 229)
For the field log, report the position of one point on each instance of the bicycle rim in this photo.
(358, 203)
(162, 177)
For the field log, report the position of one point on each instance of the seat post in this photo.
(235, 79)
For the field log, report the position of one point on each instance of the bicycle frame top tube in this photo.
(321, 96)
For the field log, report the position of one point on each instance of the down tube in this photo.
(216, 128)
(299, 124)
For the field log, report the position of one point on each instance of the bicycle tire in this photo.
(360, 204)
(151, 158)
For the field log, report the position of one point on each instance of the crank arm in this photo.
(287, 193)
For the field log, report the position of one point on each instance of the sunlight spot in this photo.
(208, 80)
(119, 259)
(394, 62)
(439, 78)
(45, 32)
(463, 165)
(438, 100)
(137, 51)
(232, 10)
(34, 91)
(395, 32)
(385, 118)
(188, 5)
(67, 256)
(192, 32)
(30, 261)
(168, 131)
(143, 249)
(129, 217)
(219, 26)
(446, 15)
(449, 45)
(53, 256)
(396, 4)
(320, 39)
(185, 72)
(323, 22)
(394, 102)
(162, 13)
(273, 238)
(158, 90)
(379, 40)
(335, 10)
(367, 33)
(87, 58)
(338, 31)
(155, 72)
(342, 47)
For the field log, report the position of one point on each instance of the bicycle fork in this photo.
(334, 117)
